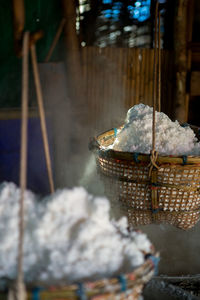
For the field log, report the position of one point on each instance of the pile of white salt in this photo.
(171, 137)
(68, 237)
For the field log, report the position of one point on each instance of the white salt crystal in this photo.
(171, 137)
(69, 236)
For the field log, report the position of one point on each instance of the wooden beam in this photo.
(15, 113)
(73, 55)
(194, 84)
(18, 22)
(180, 44)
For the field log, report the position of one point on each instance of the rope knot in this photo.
(153, 159)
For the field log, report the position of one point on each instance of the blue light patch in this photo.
(107, 1)
(117, 5)
(116, 12)
(130, 7)
(141, 10)
(136, 14)
(137, 4)
(107, 16)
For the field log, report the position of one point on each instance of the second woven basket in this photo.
(172, 189)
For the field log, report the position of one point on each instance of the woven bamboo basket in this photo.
(171, 191)
(182, 220)
(124, 286)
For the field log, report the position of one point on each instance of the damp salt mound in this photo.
(69, 236)
(171, 137)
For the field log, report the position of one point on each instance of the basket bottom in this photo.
(182, 220)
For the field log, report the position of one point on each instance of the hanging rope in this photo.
(42, 117)
(153, 156)
(55, 40)
(153, 159)
(153, 167)
(21, 294)
(159, 65)
(155, 82)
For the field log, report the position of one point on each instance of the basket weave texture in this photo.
(126, 286)
(171, 189)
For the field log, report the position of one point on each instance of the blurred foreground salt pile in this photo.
(69, 236)
(9, 199)
(171, 137)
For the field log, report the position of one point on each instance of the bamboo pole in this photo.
(42, 117)
(55, 40)
(21, 292)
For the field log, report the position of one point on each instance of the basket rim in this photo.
(141, 274)
(95, 145)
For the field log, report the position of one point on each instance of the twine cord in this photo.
(159, 65)
(155, 82)
(153, 167)
(156, 92)
(153, 164)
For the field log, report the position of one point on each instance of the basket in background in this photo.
(173, 188)
(182, 220)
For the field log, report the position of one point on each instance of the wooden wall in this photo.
(118, 78)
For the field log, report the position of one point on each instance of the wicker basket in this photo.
(173, 189)
(126, 286)
(182, 220)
